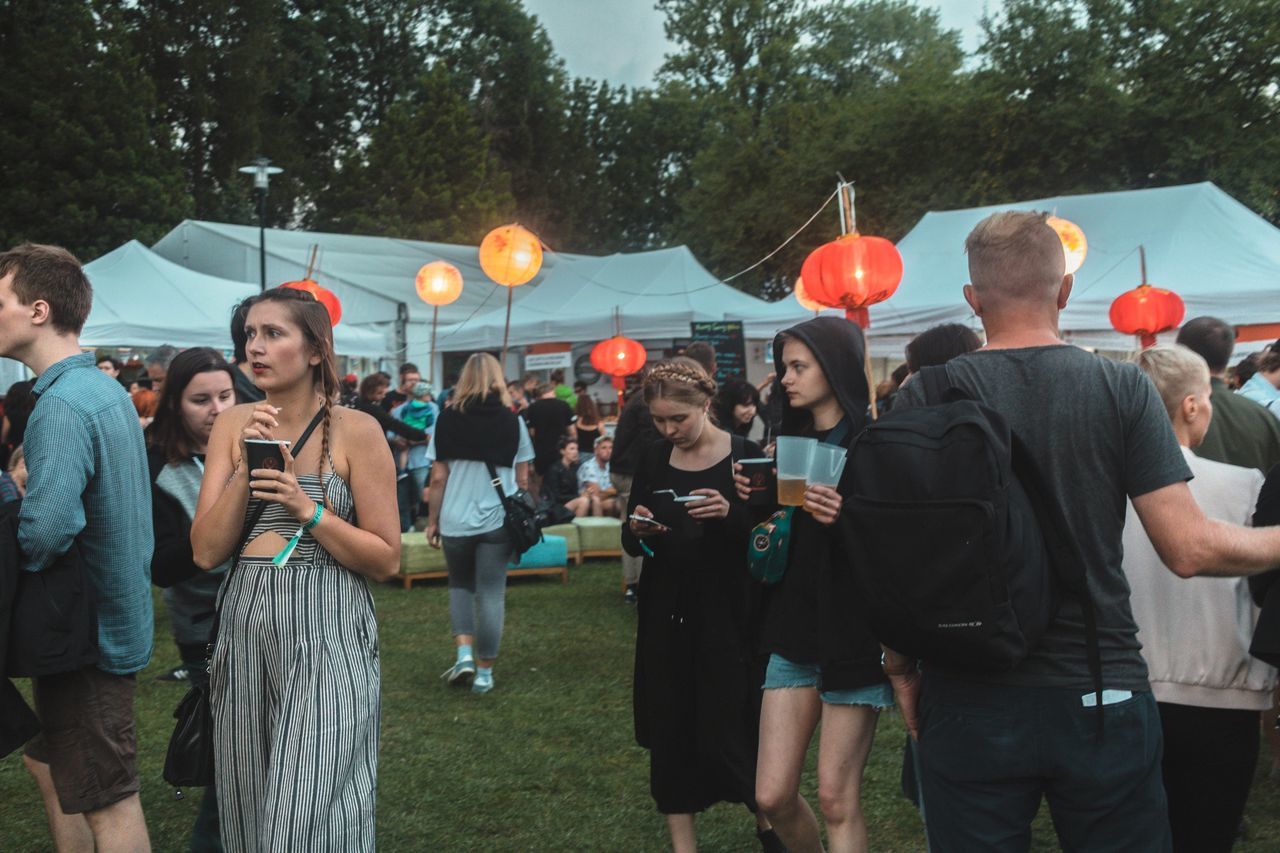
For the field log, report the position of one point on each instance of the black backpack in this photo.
(957, 554)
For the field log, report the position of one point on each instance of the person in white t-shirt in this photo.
(1195, 633)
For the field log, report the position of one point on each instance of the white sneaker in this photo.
(461, 673)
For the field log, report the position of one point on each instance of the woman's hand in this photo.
(282, 487)
(823, 503)
(741, 482)
(642, 530)
(715, 505)
(262, 421)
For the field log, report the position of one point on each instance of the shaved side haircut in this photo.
(1015, 255)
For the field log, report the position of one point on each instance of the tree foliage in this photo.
(437, 119)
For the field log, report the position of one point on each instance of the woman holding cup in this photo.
(696, 691)
(824, 665)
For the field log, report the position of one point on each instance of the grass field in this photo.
(545, 762)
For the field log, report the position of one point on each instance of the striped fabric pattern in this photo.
(295, 691)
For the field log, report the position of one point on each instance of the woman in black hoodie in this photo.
(823, 662)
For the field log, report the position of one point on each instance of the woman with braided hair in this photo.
(697, 676)
(294, 679)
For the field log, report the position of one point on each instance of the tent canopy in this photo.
(658, 294)
(370, 275)
(140, 299)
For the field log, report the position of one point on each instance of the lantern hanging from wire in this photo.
(1074, 244)
(618, 357)
(438, 283)
(1146, 310)
(323, 295)
(854, 271)
(802, 296)
(511, 255)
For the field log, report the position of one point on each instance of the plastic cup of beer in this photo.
(827, 465)
(795, 456)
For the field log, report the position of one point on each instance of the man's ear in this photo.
(1064, 291)
(41, 313)
(1189, 409)
(971, 296)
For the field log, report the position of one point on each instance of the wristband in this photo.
(315, 517)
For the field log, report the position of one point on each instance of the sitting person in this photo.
(594, 481)
(560, 485)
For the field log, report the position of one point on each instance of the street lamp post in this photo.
(262, 170)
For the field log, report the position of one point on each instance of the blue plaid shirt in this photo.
(87, 480)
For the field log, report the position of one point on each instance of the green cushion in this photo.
(417, 556)
(599, 534)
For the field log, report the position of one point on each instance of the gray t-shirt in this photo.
(1100, 434)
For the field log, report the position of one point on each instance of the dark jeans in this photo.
(988, 754)
(1209, 758)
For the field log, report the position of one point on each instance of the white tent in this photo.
(658, 294)
(370, 275)
(142, 300)
(1219, 256)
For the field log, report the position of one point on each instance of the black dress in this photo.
(587, 439)
(697, 676)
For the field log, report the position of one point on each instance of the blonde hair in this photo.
(681, 380)
(1176, 371)
(480, 377)
(1016, 255)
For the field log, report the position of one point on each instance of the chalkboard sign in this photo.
(730, 347)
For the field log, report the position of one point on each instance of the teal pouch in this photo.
(769, 545)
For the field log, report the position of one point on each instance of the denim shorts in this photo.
(784, 673)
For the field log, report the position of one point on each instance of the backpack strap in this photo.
(1065, 557)
(936, 384)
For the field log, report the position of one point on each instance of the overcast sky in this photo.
(622, 41)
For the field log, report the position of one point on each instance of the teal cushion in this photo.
(551, 552)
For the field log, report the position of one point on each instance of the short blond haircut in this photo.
(1176, 371)
(1016, 255)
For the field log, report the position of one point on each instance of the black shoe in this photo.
(630, 596)
(178, 673)
(770, 842)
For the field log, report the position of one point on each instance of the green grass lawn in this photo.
(544, 762)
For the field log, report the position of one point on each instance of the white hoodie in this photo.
(1195, 632)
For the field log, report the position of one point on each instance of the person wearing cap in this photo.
(421, 412)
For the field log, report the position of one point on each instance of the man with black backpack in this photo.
(1004, 726)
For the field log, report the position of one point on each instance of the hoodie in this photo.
(812, 613)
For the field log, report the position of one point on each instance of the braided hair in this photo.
(313, 319)
(681, 380)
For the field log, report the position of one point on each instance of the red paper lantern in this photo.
(323, 295)
(853, 272)
(802, 296)
(618, 356)
(1147, 311)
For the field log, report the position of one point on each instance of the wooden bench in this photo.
(419, 561)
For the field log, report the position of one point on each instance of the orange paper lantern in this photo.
(1074, 244)
(618, 356)
(510, 255)
(1147, 311)
(323, 295)
(803, 297)
(853, 272)
(438, 283)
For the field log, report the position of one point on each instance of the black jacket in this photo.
(1265, 588)
(18, 723)
(633, 436)
(172, 560)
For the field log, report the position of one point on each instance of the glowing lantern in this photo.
(1146, 311)
(802, 296)
(323, 295)
(1074, 244)
(853, 272)
(438, 283)
(510, 255)
(618, 356)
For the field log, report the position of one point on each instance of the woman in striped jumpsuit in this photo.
(294, 679)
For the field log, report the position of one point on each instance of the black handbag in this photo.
(188, 762)
(520, 518)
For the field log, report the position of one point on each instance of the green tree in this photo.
(427, 173)
(82, 161)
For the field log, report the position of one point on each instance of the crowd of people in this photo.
(1162, 475)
